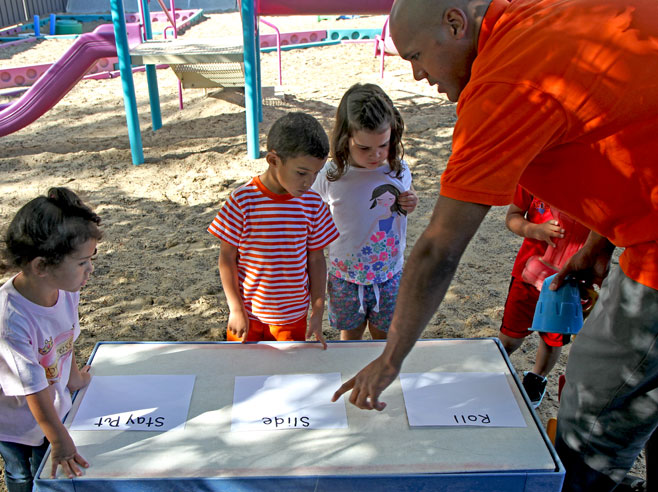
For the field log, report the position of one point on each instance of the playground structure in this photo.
(15, 115)
(60, 78)
(25, 76)
(134, 45)
(253, 95)
(384, 46)
(251, 11)
(92, 52)
(32, 30)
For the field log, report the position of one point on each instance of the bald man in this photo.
(561, 98)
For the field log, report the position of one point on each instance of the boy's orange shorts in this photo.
(262, 332)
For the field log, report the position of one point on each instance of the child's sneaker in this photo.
(631, 483)
(535, 386)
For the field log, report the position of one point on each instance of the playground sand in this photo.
(156, 274)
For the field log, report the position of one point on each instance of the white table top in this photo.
(375, 442)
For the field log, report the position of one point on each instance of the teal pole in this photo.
(250, 77)
(151, 75)
(259, 91)
(127, 82)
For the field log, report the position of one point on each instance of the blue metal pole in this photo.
(259, 92)
(37, 26)
(250, 77)
(127, 82)
(151, 76)
(53, 21)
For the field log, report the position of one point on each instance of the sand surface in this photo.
(156, 274)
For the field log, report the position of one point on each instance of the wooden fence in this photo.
(19, 11)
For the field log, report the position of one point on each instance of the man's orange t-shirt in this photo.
(563, 99)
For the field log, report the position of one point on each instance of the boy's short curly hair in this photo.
(296, 134)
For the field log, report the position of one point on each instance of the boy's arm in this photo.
(317, 277)
(408, 200)
(519, 225)
(63, 449)
(238, 320)
(78, 378)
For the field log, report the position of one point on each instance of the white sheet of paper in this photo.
(460, 398)
(287, 401)
(146, 403)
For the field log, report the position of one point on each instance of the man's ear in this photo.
(457, 22)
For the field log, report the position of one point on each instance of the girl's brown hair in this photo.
(365, 107)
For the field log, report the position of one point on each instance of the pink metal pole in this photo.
(382, 47)
(278, 45)
(172, 21)
(180, 84)
(322, 7)
(142, 25)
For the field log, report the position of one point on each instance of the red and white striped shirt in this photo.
(273, 234)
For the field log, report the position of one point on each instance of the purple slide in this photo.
(58, 79)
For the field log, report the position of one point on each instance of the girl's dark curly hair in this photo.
(50, 227)
(365, 107)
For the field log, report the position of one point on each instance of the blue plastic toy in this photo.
(558, 311)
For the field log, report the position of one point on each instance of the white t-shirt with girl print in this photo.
(372, 226)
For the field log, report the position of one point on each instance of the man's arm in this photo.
(427, 275)
(590, 264)
(238, 321)
(317, 278)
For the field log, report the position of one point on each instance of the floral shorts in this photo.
(350, 305)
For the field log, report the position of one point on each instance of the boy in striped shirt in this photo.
(273, 231)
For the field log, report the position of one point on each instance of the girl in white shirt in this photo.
(368, 188)
(52, 240)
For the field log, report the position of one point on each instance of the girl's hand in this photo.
(408, 200)
(63, 450)
(546, 231)
(79, 379)
(65, 454)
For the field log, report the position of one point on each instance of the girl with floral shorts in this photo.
(368, 188)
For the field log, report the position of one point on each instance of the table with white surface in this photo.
(378, 451)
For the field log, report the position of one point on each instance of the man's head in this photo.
(297, 148)
(439, 39)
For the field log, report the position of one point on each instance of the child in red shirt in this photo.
(548, 244)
